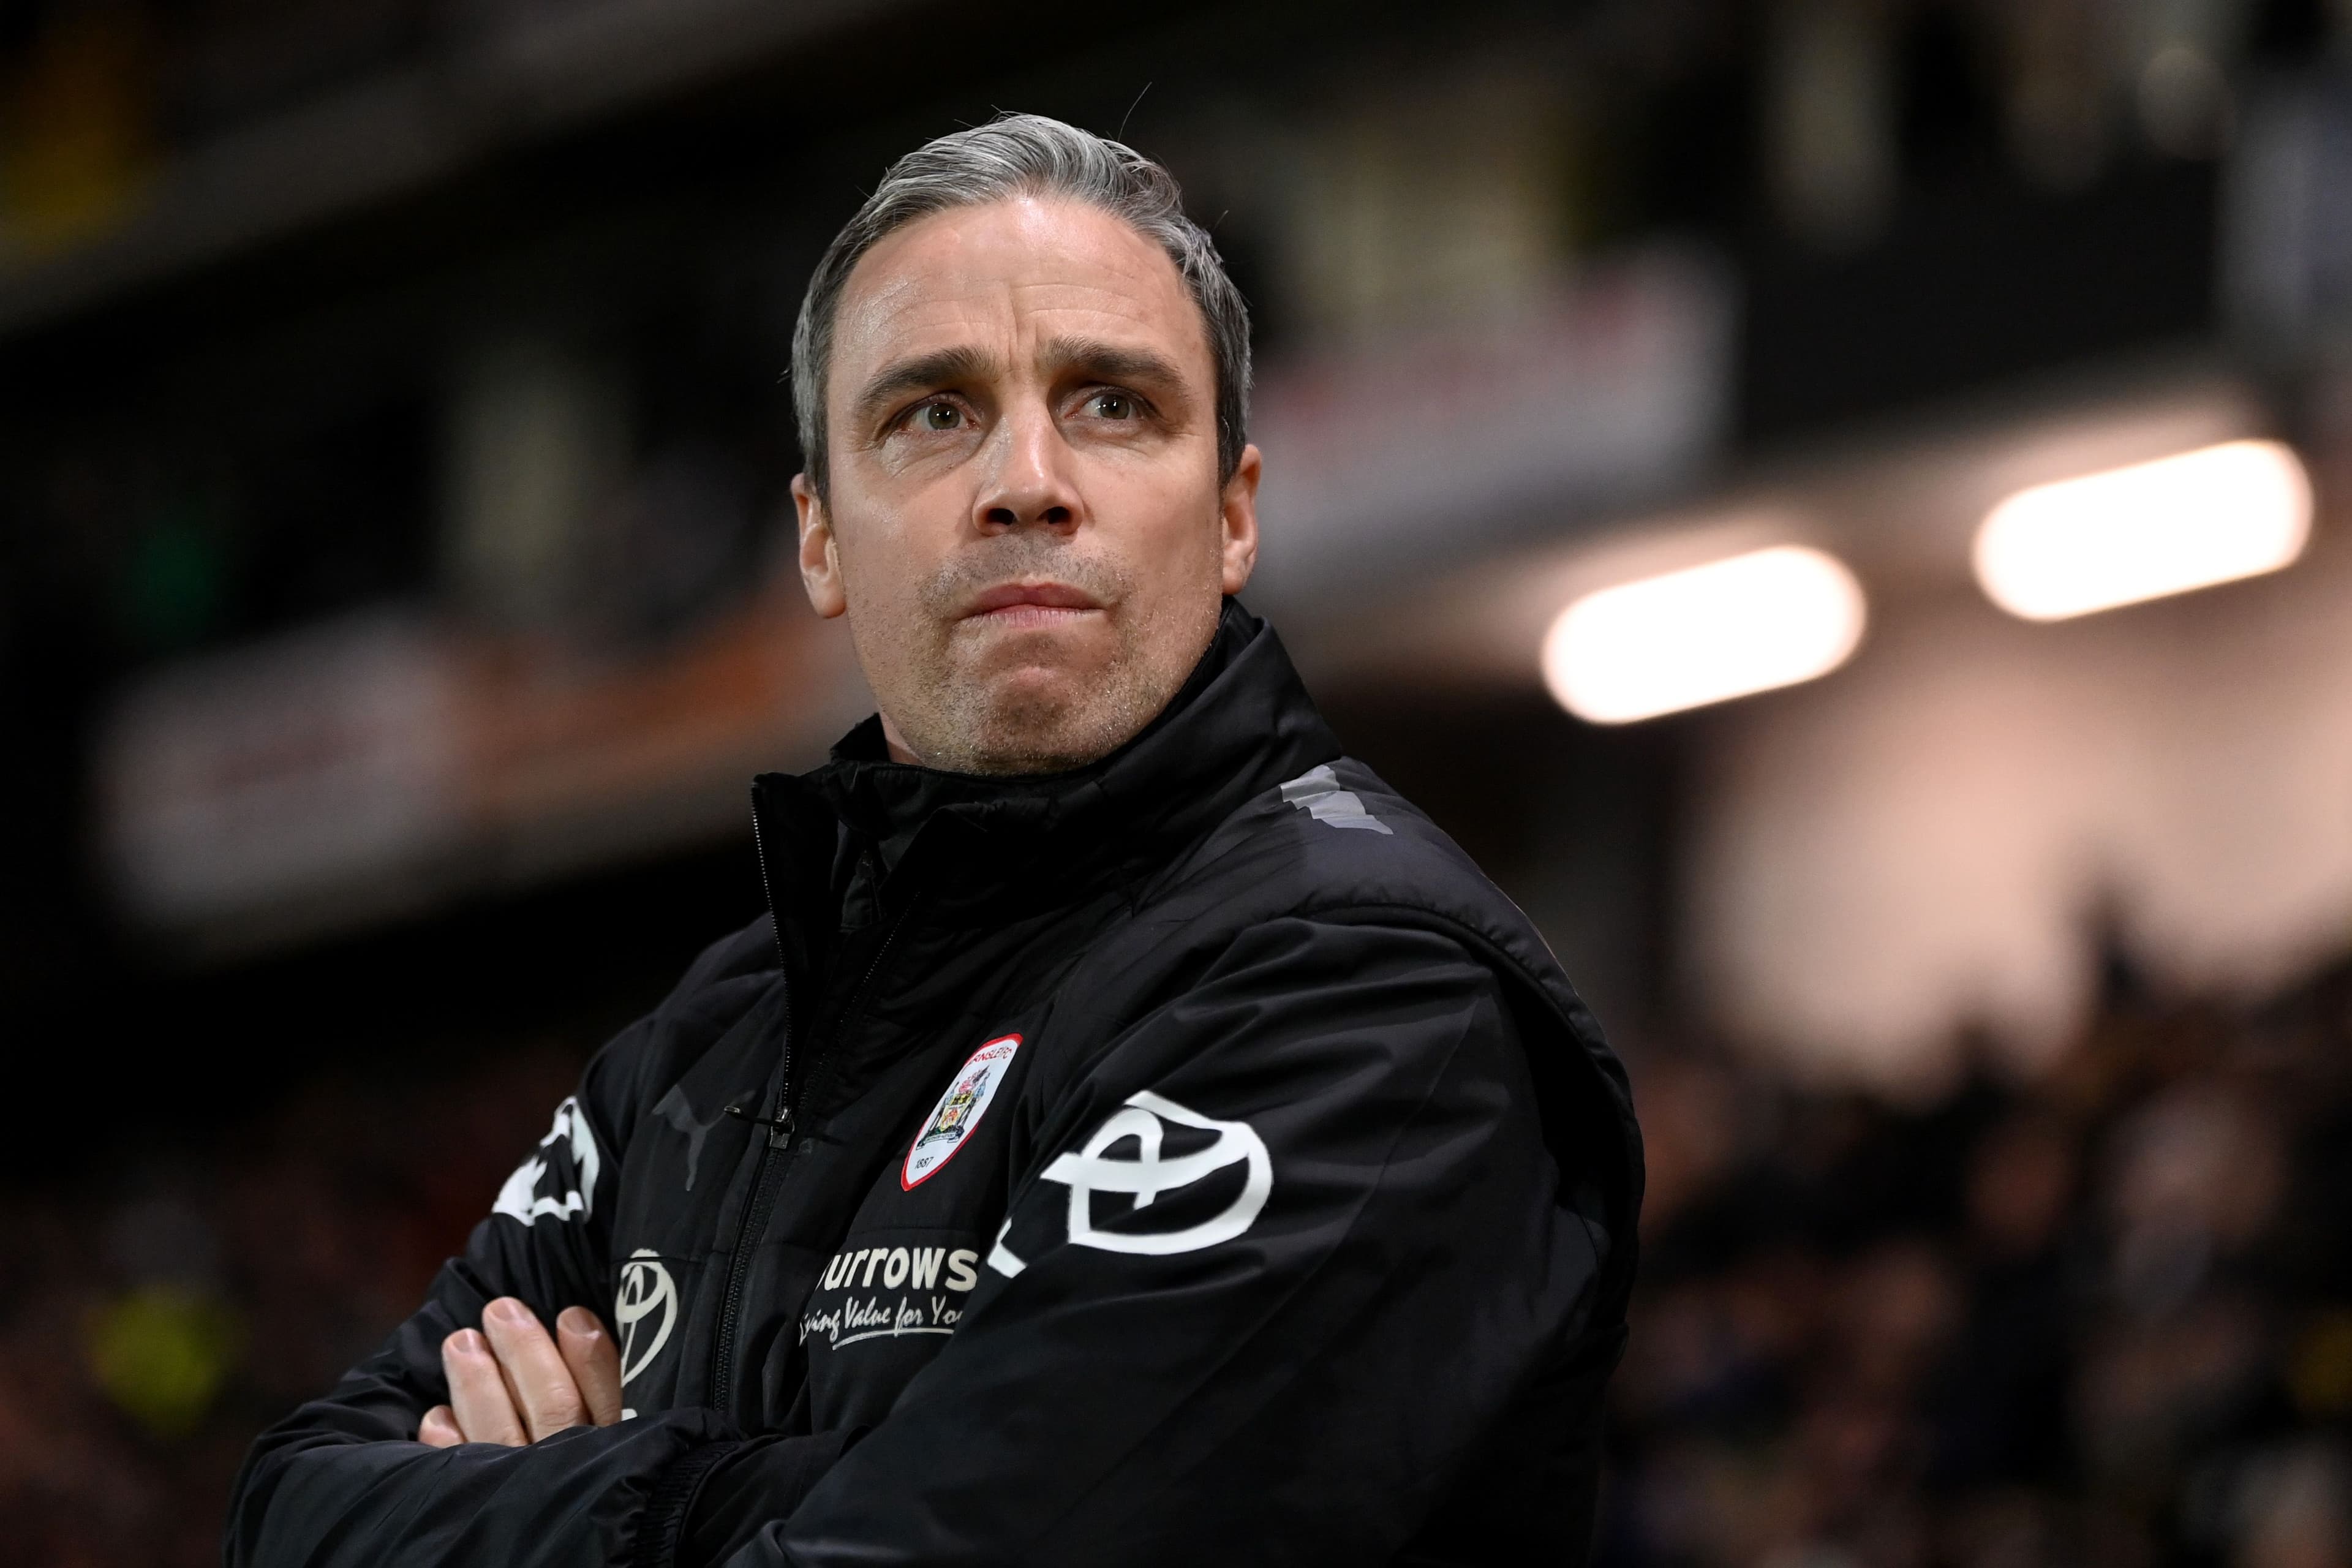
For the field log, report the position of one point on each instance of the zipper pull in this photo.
(780, 1128)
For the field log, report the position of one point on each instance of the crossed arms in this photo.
(510, 1385)
(1304, 1392)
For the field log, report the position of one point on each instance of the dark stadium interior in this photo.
(2001, 1194)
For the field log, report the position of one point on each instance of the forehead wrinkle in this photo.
(1134, 340)
(1134, 337)
(960, 278)
(1001, 246)
(1013, 302)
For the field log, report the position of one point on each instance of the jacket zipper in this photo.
(779, 1131)
(784, 964)
(768, 1174)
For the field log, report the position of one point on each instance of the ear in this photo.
(820, 559)
(1239, 521)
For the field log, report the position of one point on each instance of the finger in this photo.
(477, 1393)
(544, 1394)
(594, 1360)
(439, 1429)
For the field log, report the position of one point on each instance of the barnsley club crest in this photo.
(959, 1110)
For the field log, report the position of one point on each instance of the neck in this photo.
(897, 743)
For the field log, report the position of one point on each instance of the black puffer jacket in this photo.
(1188, 1160)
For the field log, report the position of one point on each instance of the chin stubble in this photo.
(975, 730)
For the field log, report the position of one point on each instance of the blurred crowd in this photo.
(2105, 1318)
(159, 1308)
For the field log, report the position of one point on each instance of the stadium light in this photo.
(1741, 624)
(2145, 532)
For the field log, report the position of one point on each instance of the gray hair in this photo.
(1023, 155)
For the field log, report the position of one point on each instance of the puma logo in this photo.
(673, 1108)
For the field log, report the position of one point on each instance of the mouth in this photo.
(1031, 605)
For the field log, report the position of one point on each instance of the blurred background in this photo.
(1841, 505)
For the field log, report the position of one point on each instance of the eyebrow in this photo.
(1112, 361)
(923, 373)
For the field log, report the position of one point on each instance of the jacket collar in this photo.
(1241, 725)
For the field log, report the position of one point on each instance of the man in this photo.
(1136, 1136)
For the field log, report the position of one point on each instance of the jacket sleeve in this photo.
(1284, 1254)
(341, 1483)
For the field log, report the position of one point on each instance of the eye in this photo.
(1110, 404)
(939, 417)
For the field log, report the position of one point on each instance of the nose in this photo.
(1030, 483)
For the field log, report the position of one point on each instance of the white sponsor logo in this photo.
(647, 1292)
(1148, 1176)
(897, 1266)
(519, 1198)
(959, 1110)
(928, 1283)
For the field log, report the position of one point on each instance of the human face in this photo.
(1024, 525)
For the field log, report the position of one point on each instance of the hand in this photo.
(510, 1384)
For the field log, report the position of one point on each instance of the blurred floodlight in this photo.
(2141, 532)
(1744, 623)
